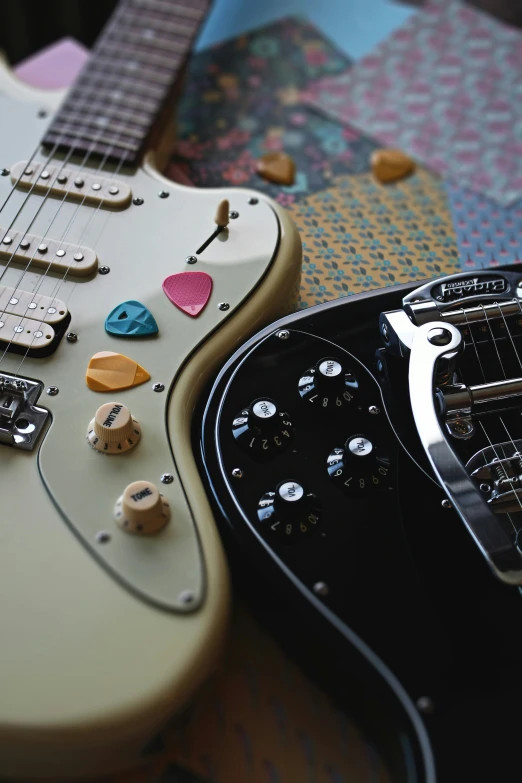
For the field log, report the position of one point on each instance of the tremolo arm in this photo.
(444, 411)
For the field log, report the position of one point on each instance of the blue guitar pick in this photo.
(131, 319)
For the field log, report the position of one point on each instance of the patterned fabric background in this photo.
(360, 235)
(445, 88)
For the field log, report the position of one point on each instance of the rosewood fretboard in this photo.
(113, 105)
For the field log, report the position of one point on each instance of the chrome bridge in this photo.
(21, 421)
(465, 428)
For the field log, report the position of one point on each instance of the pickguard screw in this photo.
(138, 201)
(223, 306)
(446, 503)
(5, 172)
(186, 597)
(104, 270)
(164, 194)
(52, 391)
(425, 705)
(42, 113)
(233, 215)
(191, 259)
(103, 537)
(158, 387)
(485, 488)
(72, 337)
(461, 427)
(374, 410)
(237, 473)
(321, 588)
(253, 200)
(167, 478)
(283, 334)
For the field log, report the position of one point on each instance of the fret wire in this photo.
(133, 84)
(87, 138)
(147, 105)
(177, 28)
(163, 45)
(170, 8)
(128, 130)
(145, 74)
(102, 105)
(95, 120)
(167, 64)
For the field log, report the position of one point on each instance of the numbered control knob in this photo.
(142, 509)
(113, 430)
(328, 385)
(262, 429)
(359, 467)
(289, 512)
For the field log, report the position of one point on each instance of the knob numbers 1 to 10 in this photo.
(328, 385)
(358, 467)
(289, 512)
(262, 429)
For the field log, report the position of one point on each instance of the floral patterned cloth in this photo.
(446, 88)
(243, 99)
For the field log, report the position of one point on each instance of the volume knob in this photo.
(142, 509)
(113, 429)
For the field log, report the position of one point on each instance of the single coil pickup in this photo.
(33, 251)
(13, 301)
(74, 185)
(25, 332)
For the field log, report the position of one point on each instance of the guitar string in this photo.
(87, 227)
(108, 152)
(54, 149)
(493, 337)
(504, 471)
(474, 345)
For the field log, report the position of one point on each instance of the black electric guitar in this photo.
(366, 459)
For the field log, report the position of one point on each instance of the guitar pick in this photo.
(277, 167)
(190, 291)
(109, 371)
(131, 319)
(390, 165)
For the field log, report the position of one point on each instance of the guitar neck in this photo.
(131, 75)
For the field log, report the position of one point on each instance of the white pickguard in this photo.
(86, 665)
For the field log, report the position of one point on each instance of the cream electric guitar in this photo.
(119, 294)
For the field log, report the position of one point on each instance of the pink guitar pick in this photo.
(190, 291)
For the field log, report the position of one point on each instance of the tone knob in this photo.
(113, 430)
(359, 466)
(328, 386)
(262, 429)
(290, 512)
(142, 509)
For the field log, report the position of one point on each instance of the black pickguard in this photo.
(411, 603)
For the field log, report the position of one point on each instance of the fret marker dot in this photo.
(113, 190)
(24, 244)
(13, 301)
(7, 240)
(78, 256)
(79, 182)
(45, 175)
(96, 186)
(102, 121)
(60, 253)
(42, 248)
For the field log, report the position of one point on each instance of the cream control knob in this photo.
(141, 509)
(113, 430)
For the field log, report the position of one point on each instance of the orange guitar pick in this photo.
(108, 371)
(277, 167)
(390, 165)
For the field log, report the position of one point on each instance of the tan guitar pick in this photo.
(277, 167)
(390, 165)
